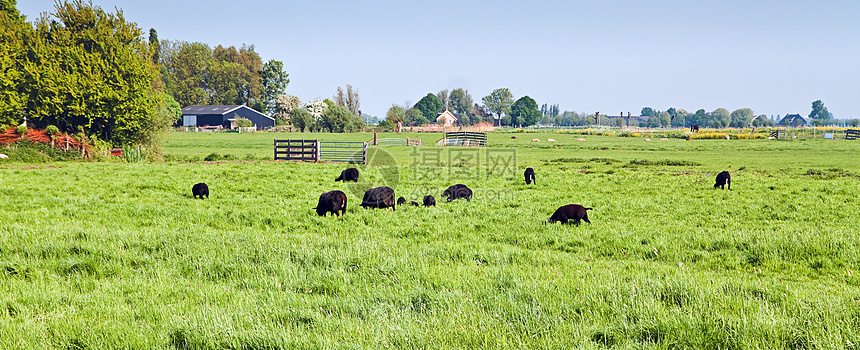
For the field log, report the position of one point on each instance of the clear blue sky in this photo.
(773, 56)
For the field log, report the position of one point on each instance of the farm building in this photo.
(447, 118)
(224, 116)
(793, 120)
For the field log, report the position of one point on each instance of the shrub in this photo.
(22, 129)
(52, 130)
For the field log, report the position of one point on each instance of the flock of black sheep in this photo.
(383, 197)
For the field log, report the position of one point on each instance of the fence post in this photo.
(317, 151)
(365, 153)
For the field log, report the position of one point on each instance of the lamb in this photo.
(401, 200)
(414, 203)
(429, 201)
(332, 202)
(530, 176)
(570, 212)
(458, 191)
(724, 179)
(200, 190)
(350, 174)
(379, 197)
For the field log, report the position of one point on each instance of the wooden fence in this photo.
(852, 134)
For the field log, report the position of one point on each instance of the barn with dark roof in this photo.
(222, 115)
(793, 120)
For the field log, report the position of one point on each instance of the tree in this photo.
(525, 112)
(720, 118)
(339, 119)
(499, 102)
(461, 101)
(348, 99)
(741, 117)
(443, 96)
(301, 119)
(414, 116)
(430, 106)
(154, 45)
(86, 70)
(274, 81)
(819, 112)
(396, 115)
(14, 31)
(283, 108)
(648, 112)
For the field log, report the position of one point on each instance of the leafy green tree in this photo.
(89, 70)
(741, 118)
(274, 81)
(14, 31)
(499, 102)
(339, 119)
(415, 117)
(720, 118)
(430, 106)
(301, 119)
(461, 101)
(819, 112)
(664, 119)
(525, 112)
(648, 112)
(396, 116)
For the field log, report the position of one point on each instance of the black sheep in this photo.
(414, 203)
(458, 191)
(200, 190)
(570, 212)
(429, 201)
(724, 179)
(379, 197)
(530, 176)
(401, 200)
(350, 174)
(332, 202)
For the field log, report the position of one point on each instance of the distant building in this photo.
(792, 120)
(224, 116)
(446, 119)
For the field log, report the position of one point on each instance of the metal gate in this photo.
(342, 151)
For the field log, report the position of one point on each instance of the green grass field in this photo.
(112, 255)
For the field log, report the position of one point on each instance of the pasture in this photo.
(100, 255)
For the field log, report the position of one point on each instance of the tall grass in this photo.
(117, 255)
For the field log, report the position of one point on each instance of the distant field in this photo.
(116, 255)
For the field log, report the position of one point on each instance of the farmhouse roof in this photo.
(792, 119)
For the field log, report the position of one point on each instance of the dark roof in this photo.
(204, 110)
(792, 119)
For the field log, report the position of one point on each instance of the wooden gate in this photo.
(303, 150)
(852, 134)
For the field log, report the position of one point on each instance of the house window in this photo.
(189, 120)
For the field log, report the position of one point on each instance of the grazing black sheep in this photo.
(200, 190)
(332, 202)
(724, 179)
(379, 197)
(429, 201)
(570, 212)
(401, 200)
(414, 203)
(530, 176)
(350, 174)
(458, 191)
(694, 128)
